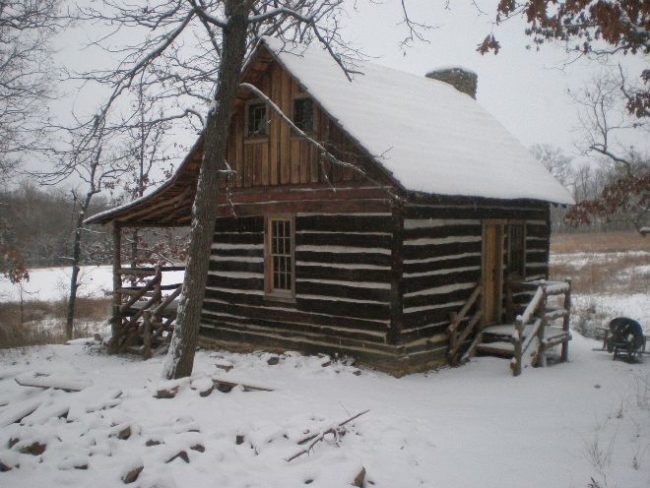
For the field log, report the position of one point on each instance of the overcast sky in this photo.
(526, 90)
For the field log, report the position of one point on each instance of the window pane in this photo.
(281, 272)
(257, 119)
(303, 114)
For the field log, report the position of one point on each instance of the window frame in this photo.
(314, 124)
(280, 294)
(249, 106)
(520, 272)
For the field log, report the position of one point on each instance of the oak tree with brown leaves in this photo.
(600, 29)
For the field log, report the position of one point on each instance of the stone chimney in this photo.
(461, 79)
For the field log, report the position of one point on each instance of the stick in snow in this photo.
(316, 438)
(68, 385)
(225, 386)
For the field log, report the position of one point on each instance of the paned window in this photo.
(517, 250)
(257, 122)
(303, 114)
(279, 257)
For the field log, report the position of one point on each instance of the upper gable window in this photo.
(303, 114)
(257, 121)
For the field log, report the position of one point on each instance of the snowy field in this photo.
(52, 284)
(581, 424)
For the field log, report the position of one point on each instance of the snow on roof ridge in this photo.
(454, 147)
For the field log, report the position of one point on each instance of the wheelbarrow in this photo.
(624, 337)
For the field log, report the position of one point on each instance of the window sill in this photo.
(271, 298)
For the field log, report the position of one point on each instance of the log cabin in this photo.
(427, 245)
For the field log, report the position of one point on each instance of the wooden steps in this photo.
(497, 339)
(530, 336)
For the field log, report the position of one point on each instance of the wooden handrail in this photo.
(535, 314)
(532, 306)
(148, 270)
(456, 340)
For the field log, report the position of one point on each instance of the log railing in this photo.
(532, 324)
(458, 334)
(144, 315)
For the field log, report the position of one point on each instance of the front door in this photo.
(492, 271)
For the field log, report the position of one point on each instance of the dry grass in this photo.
(615, 273)
(600, 264)
(44, 322)
(599, 242)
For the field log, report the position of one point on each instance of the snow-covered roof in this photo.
(431, 137)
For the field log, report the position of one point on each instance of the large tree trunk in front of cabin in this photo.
(180, 358)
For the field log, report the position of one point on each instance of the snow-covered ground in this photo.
(465, 427)
(585, 423)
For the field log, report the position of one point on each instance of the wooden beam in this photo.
(397, 269)
(116, 320)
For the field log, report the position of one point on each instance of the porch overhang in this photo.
(170, 205)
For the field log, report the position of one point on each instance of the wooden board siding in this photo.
(443, 258)
(342, 282)
(282, 157)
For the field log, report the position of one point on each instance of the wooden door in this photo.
(492, 272)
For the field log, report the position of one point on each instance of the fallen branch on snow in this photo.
(337, 431)
(42, 381)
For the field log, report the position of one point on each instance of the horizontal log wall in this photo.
(342, 284)
(443, 259)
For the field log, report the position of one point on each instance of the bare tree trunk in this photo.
(76, 260)
(180, 358)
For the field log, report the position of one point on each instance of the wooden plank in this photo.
(287, 313)
(292, 328)
(241, 224)
(442, 264)
(285, 132)
(256, 267)
(473, 212)
(288, 339)
(453, 248)
(343, 239)
(294, 145)
(301, 193)
(344, 223)
(274, 135)
(339, 290)
(443, 231)
(412, 285)
(241, 252)
(396, 278)
(235, 283)
(352, 206)
(340, 274)
(239, 237)
(346, 308)
(367, 257)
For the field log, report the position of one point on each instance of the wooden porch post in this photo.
(116, 319)
(564, 354)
